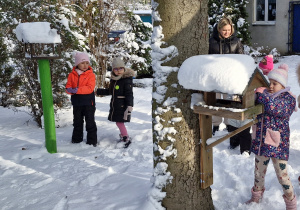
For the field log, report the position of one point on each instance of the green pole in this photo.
(48, 110)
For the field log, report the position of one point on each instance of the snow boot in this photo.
(124, 139)
(256, 196)
(127, 141)
(290, 205)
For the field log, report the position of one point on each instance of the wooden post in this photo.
(206, 156)
(205, 121)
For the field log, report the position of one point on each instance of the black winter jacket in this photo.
(122, 95)
(231, 45)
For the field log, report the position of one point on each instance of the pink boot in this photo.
(256, 196)
(290, 205)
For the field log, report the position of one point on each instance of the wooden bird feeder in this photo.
(242, 107)
(40, 39)
(219, 107)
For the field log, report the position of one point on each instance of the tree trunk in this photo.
(184, 25)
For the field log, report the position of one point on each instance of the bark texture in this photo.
(185, 25)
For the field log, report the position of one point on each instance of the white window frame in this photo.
(265, 22)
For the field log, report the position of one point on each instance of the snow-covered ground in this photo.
(82, 177)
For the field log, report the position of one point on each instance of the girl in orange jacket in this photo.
(81, 84)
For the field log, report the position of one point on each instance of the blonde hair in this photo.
(223, 22)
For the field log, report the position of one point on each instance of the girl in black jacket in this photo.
(122, 97)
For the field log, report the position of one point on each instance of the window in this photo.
(264, 11)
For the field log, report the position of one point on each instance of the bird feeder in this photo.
(42, 43)
(41, 51)
(235, 75)
(40, 40)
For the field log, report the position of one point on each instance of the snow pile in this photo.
(37, 32)
(228, 73)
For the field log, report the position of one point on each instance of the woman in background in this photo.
(224, 41)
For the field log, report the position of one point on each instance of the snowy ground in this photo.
(81, 177)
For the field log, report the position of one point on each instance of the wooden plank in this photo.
(257, 80)
(248, 99)
(45, 57)
(252, 112)
(249, 113)
(206, 156)
(231, 134)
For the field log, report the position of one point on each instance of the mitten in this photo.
(127, 112)
(260, 90)
(72, 90)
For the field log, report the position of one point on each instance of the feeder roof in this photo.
(37, 32)
(227, 73)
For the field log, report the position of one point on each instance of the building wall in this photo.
(271, 36)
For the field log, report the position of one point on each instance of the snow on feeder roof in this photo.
(37, 32)
(227, 73)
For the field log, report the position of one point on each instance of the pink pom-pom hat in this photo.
(280, 74)
(266, 64)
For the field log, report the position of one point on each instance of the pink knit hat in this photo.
(280, 74)
(266, 64)
(81, 57)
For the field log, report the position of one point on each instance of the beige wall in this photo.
(271, 36)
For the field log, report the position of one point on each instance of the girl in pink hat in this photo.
(271, 136)
(80, 85)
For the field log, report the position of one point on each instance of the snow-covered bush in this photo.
(9, 81)
(134, 46)
(27, 90)
(259, 51)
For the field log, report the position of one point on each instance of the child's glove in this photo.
(260, 90)
(72, 90)
(127, 112)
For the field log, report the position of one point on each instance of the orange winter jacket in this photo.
(85, 83)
